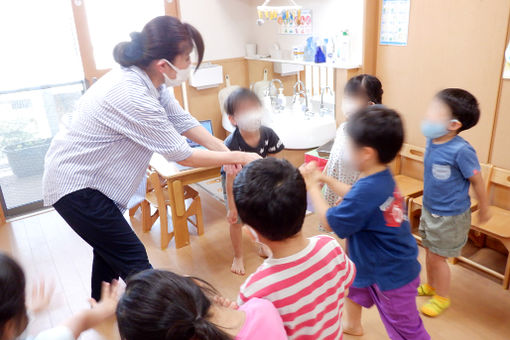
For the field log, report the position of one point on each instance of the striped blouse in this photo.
(119, 123)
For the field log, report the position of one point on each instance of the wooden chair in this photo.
(160, 195)
(410, 187)
(497, 227)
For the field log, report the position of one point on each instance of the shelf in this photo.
(306, 63)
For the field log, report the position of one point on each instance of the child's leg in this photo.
(438, 273)
(399, 313)
(352, 318)
(236, 236)
(357, 298)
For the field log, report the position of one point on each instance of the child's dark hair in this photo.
(380, 128)
(463, 105)
(365, 85)
(12, 292)
(237, 96)
(163, 37)
(161, 305)
(270, 196)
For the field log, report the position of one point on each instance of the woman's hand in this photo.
(247, 157)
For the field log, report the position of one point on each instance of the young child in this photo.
(13, 311)
(244, 111)
(371, 217)
(160, 305)
(360, 91)
(306, 279)
(451, 165)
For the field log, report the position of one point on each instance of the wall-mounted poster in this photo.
(395, 22)
(295, 22)
(506, 70)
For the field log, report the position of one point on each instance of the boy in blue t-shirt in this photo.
(451, 166)
(371, 217)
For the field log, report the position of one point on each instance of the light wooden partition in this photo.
(452, 43)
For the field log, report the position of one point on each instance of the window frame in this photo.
(92, 73)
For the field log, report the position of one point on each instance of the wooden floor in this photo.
(48, 248)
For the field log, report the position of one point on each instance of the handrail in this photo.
(43, 87)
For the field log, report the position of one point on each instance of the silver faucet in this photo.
(324, 90)
(267, 92)
(300, 89)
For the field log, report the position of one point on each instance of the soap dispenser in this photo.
(280, 100)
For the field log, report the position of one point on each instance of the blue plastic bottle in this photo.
(309, 50)
(319, 56)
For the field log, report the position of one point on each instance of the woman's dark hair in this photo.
(270, 196)
(365, 85)
(163, 37)
(237, 96)
(377, 127)
(12, 292)
(161, 305)
(463, 105)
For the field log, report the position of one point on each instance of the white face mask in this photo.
(348, 107)
(181, 75)
(250, 121)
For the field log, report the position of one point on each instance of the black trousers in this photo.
(98, 221)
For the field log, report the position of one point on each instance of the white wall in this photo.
(222, 23)
(227, 25)
(329, 17)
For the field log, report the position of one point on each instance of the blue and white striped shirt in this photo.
(119, 123)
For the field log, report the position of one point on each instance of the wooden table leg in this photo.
(179, 220)
(2, 216)
(506, 277)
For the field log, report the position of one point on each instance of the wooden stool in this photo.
(161, 195)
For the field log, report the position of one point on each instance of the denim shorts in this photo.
(444, 235)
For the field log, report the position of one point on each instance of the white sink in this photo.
(300, 132)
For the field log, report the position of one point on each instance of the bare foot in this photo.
(263, 250)
(356, 331)
(237, 266)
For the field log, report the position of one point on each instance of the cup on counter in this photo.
(251, 50)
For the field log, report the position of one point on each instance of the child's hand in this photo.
(109, 299)
(232, 169)
(311, 174)
(232, 215)
(41, 296)
(224, 302)
(484, 215)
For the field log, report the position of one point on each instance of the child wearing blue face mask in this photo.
(245, 112)
(451, 166)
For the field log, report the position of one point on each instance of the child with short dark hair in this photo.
(451, 165)
(160, 305)
(360, 91)
(13, 310)
(371, 217)
(244, 111)
(306, 279)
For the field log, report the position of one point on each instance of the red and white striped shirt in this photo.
(308, 288)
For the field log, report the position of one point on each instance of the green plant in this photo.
(14, 132)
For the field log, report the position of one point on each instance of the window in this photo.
(111, 22)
